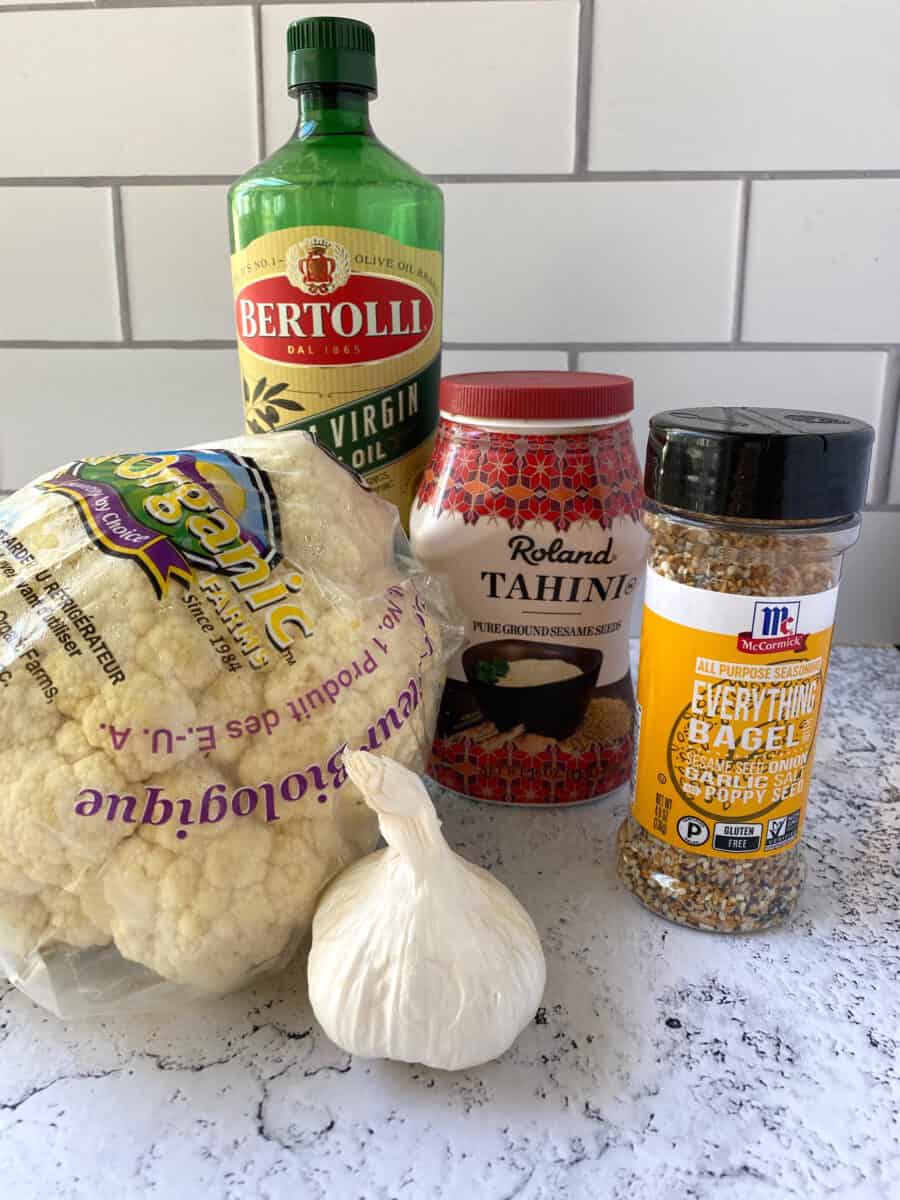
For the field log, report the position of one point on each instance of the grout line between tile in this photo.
(89, 181)
(673, 176)
(740, 270)
(571, 360)
(652, 176)
(220, 3)
(583, 80)
(662, 347)
(100, 5)
(121, 264)
(566, 347)
(166, 180)
(199, 344)
(258, 69)
(30, 8)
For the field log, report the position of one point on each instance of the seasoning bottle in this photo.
(531, 506)
(749, 512)
(337, 272)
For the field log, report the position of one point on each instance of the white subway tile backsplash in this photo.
(58, 264)
(142, 91)
(464, 86)
(456, 362)
(177, 252)
(848, 382)
(741, 85)
(868, 608)
(566, 262)
(823, 261)
(104, 401)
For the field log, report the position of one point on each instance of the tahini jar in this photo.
(531, 505)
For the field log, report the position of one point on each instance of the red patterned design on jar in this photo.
(510, 776)
(562, 479)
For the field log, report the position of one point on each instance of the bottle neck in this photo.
(333, 109)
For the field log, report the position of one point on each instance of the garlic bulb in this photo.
(418, 955)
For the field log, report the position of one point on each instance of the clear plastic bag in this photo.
(188, 641)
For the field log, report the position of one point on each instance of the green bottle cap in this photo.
(331, 50)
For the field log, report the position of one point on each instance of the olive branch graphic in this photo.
(265, 405)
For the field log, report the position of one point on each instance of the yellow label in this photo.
(339, 333)
(729, 694)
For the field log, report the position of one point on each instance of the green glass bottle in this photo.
(337, 265)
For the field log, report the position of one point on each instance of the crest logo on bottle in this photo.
(317, 266)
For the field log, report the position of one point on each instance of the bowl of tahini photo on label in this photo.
(543, 688)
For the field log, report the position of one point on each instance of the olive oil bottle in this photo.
(337, 269)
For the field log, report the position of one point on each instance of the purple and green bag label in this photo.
(173, 512)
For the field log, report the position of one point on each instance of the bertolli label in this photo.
(339, 333)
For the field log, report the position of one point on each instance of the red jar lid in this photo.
(537, 395)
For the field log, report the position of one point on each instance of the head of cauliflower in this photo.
(188, 643)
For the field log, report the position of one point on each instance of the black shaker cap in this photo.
(767, 464)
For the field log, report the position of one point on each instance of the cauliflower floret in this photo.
(294, 747)
(338, 639)
(71, 921)
(172, 649)
(191, 781)
(140, 707)
(28, 819)
(77, 686)
(306, 855)
(27, 716)
(329, 719)
(316, 495)
(29, 925)
(41, 831)
(146, 635)
(71, 744)
(197, 914)
(114, 607)
(233, 696)
(14, 881)
(212, 908)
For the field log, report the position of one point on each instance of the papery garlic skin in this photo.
(418, 955)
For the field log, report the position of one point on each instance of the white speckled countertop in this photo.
(665, 1065)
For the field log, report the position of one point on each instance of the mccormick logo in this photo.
(775, 629)
(321, 313)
